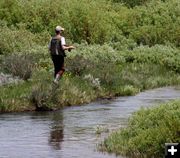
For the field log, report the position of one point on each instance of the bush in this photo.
(165, 56)
(97, 22)
(88, 21)
(13, 40)
(14, 97)
(147, 132)
(148, 21)
(21, 40)
(75, 90)
(19, 65)
(133, 3)
(97, 53)
(101, 62)
(144, 24)
(44, 97)
(78, 65)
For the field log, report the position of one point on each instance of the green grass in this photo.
(134, 78)
(128, 79)
(14, 97)
(147, 132)
(101, 71)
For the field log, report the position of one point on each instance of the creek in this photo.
(72, 132)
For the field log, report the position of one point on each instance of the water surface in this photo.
(71, 133)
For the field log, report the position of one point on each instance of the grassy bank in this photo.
(147, 132)
(101, 71)
(39, 92)
(122, 49)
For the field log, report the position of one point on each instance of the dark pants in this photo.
(58, 62)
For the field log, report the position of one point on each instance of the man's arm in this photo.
(65, 46)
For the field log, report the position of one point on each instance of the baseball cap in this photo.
(59, 28)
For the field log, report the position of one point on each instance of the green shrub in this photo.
(88, 21)
(20, 40)
(14, 40)
(78, 65)
(97, 53)
(44, 96)
(98, 22)
(166, 56)
(144, 24)
(147, 132)
(19, 65)
(133, 3)
(148, 21)
(125, 79)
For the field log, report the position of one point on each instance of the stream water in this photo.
(71, 132)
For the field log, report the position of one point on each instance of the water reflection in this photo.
(56, 131)
(71, 133)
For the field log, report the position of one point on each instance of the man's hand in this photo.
(67, 47)
(71, 47)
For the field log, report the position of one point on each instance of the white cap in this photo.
(59, 28)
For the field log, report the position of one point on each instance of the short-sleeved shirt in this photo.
(63, 42)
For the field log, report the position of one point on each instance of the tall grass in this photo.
(74, 89)
(14, 97)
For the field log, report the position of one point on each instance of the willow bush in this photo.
(155, 23)
(19, 65)
(165, 56)
(98, 22)
(133, 3)
(20, 40)
(88, 21)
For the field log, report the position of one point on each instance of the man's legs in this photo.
(59, 75)
(59, 69)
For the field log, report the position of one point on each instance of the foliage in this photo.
(13, 40)
(155, 23)
(44, 97)
(20, 40)
(39, 94)
(133, 3)
(19, 65)
(79, 91)
(78, 64)
(147, 132)
(97, 22)
(166, 56)
(81, 20)
(14, 97)
(119, 50)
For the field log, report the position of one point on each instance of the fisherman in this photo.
(57, 47)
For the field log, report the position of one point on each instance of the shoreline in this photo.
(32, 108)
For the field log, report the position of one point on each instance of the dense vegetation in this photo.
(99, 21)
(123, 47)
(147, 132)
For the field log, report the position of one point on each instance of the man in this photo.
(57, 49)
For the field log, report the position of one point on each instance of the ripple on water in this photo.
(71, 133)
